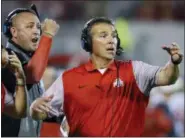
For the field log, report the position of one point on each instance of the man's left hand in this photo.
(175, 53)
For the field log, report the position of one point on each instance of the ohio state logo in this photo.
(118, 83)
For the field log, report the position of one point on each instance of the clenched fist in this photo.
(175, 53)
(50, 27)
(16, 66)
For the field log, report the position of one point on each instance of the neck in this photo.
(100, 63)
(14, 41)
(15, 44)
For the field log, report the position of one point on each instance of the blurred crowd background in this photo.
(143, 27)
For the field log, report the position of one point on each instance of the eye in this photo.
(114, 35)
(38, 26)
(103, 35)
(29, 26)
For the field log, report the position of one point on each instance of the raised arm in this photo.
(36, 66)
(170, 72)
(16, 106)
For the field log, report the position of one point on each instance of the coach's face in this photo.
(104, 40)
(26, 31)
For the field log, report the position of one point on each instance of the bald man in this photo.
(23, 30)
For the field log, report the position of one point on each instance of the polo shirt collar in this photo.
(90, 67)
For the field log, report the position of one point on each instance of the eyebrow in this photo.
(103, 32)
(28, 23)
(33, 23)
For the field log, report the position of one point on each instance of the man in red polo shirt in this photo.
(105, 97)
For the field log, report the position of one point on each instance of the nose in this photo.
(36, 31)
(112, 40)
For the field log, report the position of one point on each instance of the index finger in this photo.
(13, 53)
(166, 48)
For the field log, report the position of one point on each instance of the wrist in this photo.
(48, 34)
(176, 59)
(175, 62)
(20, 82)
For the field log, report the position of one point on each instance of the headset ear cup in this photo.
(118, 43)
(85, 41)
(84, 44)
(6, 29)
(119, 50)
(88, 44)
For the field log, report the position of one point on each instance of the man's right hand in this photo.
(16, 66)
(41, 107)
(50, 27)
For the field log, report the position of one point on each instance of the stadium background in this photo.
(143, 27)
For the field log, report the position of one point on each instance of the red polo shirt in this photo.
(94, 103)
(94, 106)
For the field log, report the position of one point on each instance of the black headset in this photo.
(8, 22)
(86, 40)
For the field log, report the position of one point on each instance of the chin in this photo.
(109, 57)
(33, 48)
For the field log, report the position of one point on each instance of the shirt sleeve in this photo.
(57, 102)
(35, 68)
(145, 76)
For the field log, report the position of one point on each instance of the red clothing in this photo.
(50, 130)
(35, 68)
(2, 96)
(157, 123)
(94, 106)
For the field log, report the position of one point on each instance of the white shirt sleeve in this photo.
(57, 102)
(145, 76)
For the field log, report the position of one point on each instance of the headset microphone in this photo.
(119, 51)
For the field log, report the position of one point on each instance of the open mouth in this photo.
(110, 49)
(35, 40)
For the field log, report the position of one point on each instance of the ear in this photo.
(13, 31)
